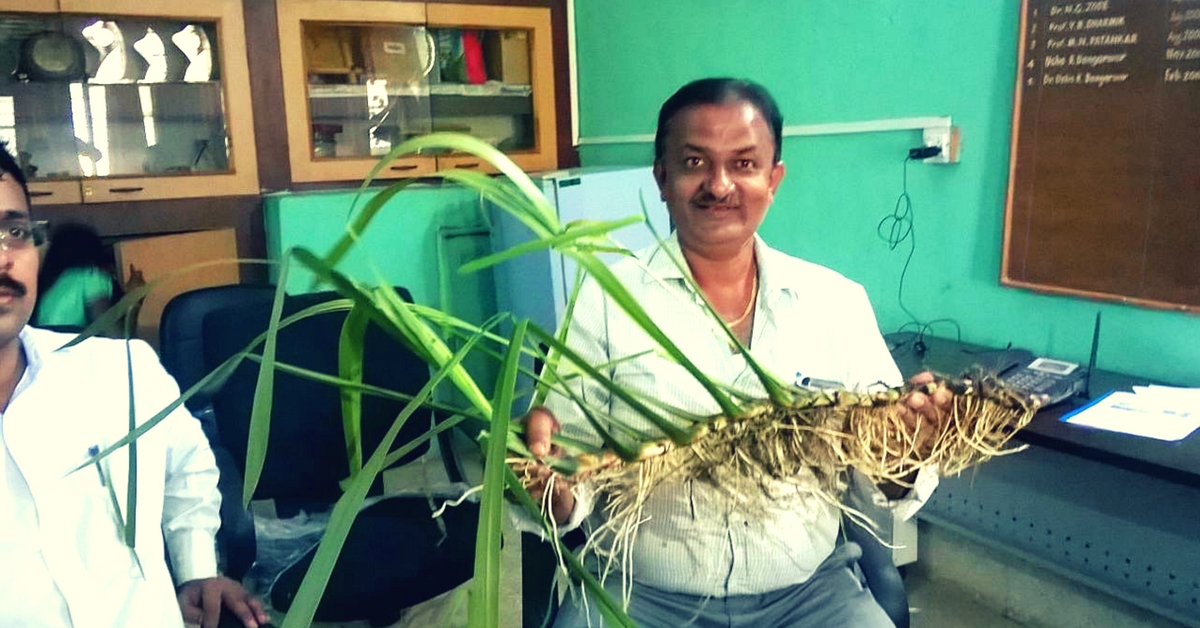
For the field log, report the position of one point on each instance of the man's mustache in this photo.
(708, 199)
(15, 286)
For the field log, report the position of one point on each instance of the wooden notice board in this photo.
(1104, 182)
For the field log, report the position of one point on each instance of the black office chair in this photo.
(395, 555)
(181, 345)
(879, 570)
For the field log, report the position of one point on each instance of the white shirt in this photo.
(809, 322)
(64, 561)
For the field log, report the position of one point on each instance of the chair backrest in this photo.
(181, 331)
(306, 451)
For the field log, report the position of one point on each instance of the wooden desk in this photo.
(1173, 461)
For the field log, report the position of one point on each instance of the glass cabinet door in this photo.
(121, 101)
(361, 76)
(495, 80)
(97, 97)
(481, 86)
(36, 121)
(367, 86)
(355, 83)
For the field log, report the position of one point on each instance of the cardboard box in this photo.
(506, 56)
(327, 49)
(155, 257)
(395, 54)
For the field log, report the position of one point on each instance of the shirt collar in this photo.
(34, 346)
(659, 261)
(773, 280)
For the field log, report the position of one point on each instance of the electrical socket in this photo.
(946, 138)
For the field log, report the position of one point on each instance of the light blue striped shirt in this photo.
(809, 322)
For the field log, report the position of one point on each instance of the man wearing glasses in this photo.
(64, 553)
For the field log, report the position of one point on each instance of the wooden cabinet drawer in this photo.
(54, 192)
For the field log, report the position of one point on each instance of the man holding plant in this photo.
(697, 558)
(66, 551)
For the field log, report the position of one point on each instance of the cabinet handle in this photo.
(39, 193)
(125, 190)
(473, 164)
(403, 167)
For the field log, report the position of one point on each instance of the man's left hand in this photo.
(924, 413)
(202, 600)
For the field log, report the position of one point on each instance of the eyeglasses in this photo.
(21, 234)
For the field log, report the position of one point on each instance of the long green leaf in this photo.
(617, 291)
(131, 489)
(212, 380)
(485, 587)
(777, 391)
(436, 347)
(564, 239)
(350, 367)
(264, 393)
(366, 389)
(509, 198)
(664, 424)
(396, 318)
(133, 299)
(354, 230)
(346, 510)
(551, 358)
(483, 150)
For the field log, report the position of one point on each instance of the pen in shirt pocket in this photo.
(94, 451)
(813, 382)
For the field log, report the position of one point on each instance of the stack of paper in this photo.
(1160, 412)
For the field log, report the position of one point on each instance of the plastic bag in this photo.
(281, 542)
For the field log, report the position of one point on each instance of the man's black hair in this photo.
(719, 91)
(10, 168)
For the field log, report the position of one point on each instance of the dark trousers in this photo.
(834, 597)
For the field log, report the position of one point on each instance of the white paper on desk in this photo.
(1184, 397)
(1139, 414)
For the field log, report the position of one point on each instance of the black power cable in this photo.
(897, 228)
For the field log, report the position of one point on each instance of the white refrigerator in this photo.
(537, 285)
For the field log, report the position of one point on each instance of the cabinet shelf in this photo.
(508, 101)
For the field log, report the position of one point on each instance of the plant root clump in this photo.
(810, 443)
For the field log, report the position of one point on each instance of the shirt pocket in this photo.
(99, 537)
(660, 384)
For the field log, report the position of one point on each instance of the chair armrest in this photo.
(881, 574)
(236, 545)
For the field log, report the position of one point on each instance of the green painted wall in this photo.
(854, 60)
(401, 245)
(418, 240)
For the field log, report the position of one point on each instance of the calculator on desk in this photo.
(1054, 379)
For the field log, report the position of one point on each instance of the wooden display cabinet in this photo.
(360, 76)
(161, 110)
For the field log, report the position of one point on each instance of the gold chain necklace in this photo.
(749, 305)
